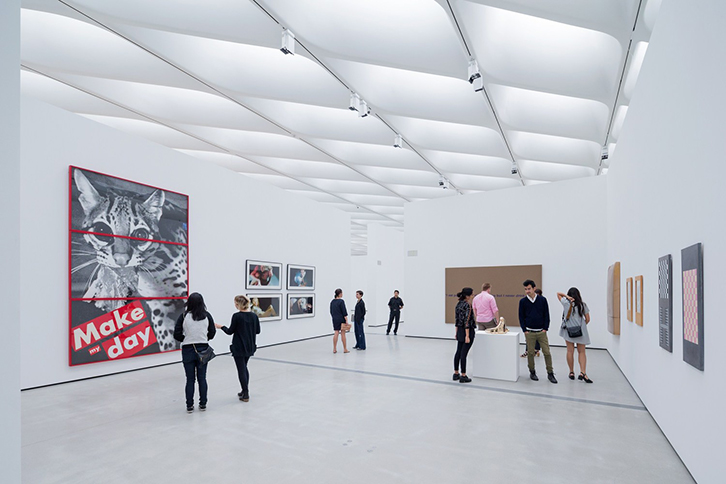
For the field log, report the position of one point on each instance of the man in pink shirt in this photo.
(485, 308)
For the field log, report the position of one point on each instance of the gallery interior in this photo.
(374, 145)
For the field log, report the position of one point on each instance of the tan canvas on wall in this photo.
(639, 300)
(506, 284)
(613, 302)
(629, 298)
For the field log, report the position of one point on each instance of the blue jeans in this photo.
(194, 370)
(360, 337)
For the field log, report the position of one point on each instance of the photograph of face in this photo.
(300, 277)
(300, 306)
(263, 275)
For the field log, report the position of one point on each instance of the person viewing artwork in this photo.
(340, 316)
(485, 308)
(395, 304)
(244, 328)
(194, 328)
(358, 318)
(538, 292)
(575, 314)
(465, 330)
(534, 319)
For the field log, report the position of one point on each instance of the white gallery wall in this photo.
(560, 226)
(384, 267)
(231, 219)
(9, 244)
(665, 192)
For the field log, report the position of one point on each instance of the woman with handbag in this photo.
(575, 317)
(465, 329)
(194, 328)
(244, 328)
(340, 318)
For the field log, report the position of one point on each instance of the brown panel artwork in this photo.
(639, 300)
(613, 303)
(629, 298)
(506, 284)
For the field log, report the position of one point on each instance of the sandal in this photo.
(536, 352)
(572, 375)
(583, 377)
(523, 355)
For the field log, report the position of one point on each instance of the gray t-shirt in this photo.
(575, 316)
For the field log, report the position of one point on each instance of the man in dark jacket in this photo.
(534, 319)
(358, 317)
(395, 304)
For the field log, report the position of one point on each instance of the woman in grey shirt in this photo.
(579, 315)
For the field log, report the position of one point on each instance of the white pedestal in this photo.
(495, 356)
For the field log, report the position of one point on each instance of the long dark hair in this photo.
(574, 293)
(195, 305)
(467, 291)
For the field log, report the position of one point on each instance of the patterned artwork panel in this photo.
(690, 306)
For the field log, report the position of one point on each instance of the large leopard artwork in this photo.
(123, 258)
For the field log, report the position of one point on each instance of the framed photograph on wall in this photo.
(639, 300)
(693, 310)
(300, 306)
(629, 298)
(123, 301)
(267, 307)
(300, 277)
(263, 275)
(613, 299)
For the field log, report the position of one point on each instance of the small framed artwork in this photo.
(267, 307)
(639, 300)
(300, 306)
(263, 275)
(300, 277)
(693, 309)
(613, 301)
(629, 298)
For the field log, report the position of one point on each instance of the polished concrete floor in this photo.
(390, 414)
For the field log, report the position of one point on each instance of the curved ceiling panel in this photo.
(526, 110)
(466, 164)
(412, 34)
(543, 55)
(555, 149)
(543, 171)
(373, 155)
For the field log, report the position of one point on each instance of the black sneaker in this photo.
(464, 379)
(551, 377)
(202, 407)
(533, 376)
(190, 409)
(456, 376)
(387, 333)
(244, 397)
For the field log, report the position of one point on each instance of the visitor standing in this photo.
(244, 328)
(395, 304)
(575, 316)
(340, 316)
(534, 319)
(358, 317)
(465, 330)
(485, 308)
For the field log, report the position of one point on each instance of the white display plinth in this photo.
(495, 356)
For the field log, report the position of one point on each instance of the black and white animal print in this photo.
(120, 253)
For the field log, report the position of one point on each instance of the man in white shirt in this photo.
(485, 308)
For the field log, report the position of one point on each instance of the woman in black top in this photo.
(340, 316)
(244, 328)
(194, 328)
(465, 327)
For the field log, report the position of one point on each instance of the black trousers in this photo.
(394, 315)
(462, 349)
(194, 370)
(243, 373)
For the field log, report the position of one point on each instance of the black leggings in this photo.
(462, 349)
(243, 373)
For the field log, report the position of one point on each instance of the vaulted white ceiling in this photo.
(208, 78)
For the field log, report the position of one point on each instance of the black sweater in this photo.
(360, 311)
(534, 315)
(338, 311)
(244, 328)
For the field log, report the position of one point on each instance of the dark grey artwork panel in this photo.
(692, 276)
(665, 302)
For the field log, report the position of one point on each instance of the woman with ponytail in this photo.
(575, 312)
(465, 328)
